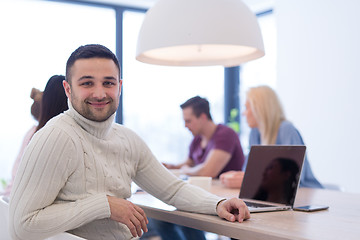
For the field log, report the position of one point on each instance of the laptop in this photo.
(272, 177)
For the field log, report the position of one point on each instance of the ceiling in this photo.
(254, 5)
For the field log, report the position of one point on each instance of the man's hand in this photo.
(170, 166)
(126, 212)
(232, 210)
(186, 169)
(232, 179)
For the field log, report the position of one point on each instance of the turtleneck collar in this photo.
(97, 129)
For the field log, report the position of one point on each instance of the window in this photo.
(259, 72)
(152, 96)
(37, 38)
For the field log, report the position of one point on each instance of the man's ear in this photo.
(203, 116)
(120, 85)
(67, 89)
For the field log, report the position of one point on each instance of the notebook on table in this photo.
(272, 177)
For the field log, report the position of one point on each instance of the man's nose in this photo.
(99, 92)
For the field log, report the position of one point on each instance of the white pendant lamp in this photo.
(199, 33)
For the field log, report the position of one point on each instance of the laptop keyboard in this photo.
(257, 205)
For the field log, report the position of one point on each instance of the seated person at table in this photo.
(47, 104)
(215, 149)
(36, 95)
(265, 117)
(76, 172)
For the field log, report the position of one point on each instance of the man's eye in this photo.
(86, 84)
(109, 83)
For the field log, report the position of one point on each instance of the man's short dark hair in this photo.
(90, 51)
(199, 105)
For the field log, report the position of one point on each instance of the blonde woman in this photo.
(266, 118)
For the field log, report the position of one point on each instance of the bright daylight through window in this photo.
(37, 38)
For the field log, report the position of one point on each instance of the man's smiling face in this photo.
(94, 88)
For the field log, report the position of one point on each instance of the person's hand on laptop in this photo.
(233, 209)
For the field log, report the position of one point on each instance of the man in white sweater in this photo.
(76, 172)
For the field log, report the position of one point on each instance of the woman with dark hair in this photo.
(53, 101)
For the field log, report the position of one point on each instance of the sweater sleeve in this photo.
(35, 210)
(155, 179)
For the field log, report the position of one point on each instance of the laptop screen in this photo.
(273, 173)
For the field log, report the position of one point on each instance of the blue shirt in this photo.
(289, 135)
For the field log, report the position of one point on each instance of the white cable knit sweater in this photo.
(70, 166)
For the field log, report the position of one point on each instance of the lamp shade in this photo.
(199, 33)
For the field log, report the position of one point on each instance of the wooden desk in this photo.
(341, 221)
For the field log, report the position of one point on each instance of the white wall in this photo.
(319, 83)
